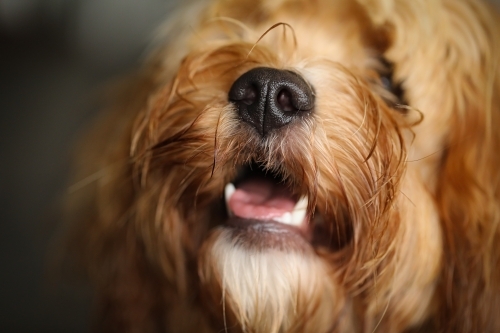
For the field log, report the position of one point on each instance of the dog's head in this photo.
(307, 166)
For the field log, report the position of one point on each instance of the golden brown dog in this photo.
(302, 166)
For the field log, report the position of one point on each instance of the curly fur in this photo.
(409, 195)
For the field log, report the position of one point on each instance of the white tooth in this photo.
(298, 217)
(301, 204)
(229, 190)
(228, 193)
(286, 218)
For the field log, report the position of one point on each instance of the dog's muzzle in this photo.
(262, 207)
(269, 98)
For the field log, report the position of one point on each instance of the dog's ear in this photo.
(447, 54)
(468, 188)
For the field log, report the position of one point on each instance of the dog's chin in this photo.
(265, 277)
(266, 235)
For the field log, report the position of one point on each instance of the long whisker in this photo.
(272, 28)
(92, 178)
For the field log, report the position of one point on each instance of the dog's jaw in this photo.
(261, 263)
(280, 288)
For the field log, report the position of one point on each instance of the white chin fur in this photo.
(271, 290)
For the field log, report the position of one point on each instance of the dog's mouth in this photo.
(265, 197)
(260, 201)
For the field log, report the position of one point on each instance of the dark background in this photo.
(55, 55)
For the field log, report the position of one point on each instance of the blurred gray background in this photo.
(55, 55)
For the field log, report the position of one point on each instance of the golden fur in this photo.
(409, 195)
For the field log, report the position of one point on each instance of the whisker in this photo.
(86, 181)
(408, 198)
(94, 177)
(271, 28)
(427, 156)
(215, 142)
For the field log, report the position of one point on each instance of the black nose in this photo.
(269, 98)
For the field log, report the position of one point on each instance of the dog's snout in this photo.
(269, 98)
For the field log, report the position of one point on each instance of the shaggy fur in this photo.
(403, 190)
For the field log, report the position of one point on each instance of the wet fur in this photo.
(408, 194)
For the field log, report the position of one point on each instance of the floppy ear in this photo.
(468, 188)
(447, 54)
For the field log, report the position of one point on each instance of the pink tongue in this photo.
(261, 199)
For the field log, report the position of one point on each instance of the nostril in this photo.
(284, 101)
(250, 95)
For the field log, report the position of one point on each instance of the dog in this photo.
(300, 166)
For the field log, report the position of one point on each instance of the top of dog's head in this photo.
(304, 166)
